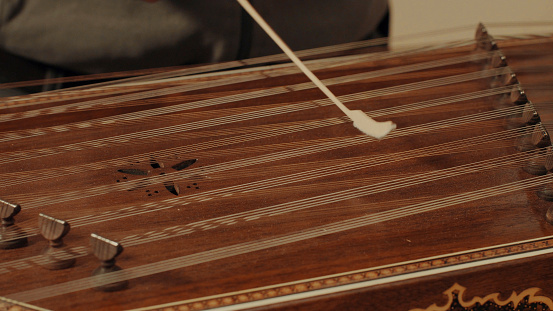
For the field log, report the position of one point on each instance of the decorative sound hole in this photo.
(143, 170)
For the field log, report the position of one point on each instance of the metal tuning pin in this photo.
(515, 98)
(53, 230)
(536, 165)
(484, 41)
(546, 192)
(528, 116)
(518, 96)
(549, 158)
(11, 236)
(497, 60)
(540, 137)
(541, 163)
(509, 79)
(536, 137)
(106, 250)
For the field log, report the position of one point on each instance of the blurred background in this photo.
(447, 20)
(49, 39)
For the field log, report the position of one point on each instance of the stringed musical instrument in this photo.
(240, 186)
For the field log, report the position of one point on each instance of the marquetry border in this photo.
(353, 277)
(520, 301)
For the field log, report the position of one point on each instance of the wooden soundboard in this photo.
(247, 189)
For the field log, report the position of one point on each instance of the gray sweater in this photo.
(108, 35)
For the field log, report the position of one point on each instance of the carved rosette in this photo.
(525, 301)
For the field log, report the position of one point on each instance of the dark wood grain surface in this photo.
(280, 197)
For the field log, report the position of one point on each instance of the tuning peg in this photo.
(509, 78)
(536, 165)
(11, 236)
(529, 116)
(518, 96)
(8, 211)
(498, 60)
(537, 137)
(106, 250)
(54, 230)
(483, 39)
